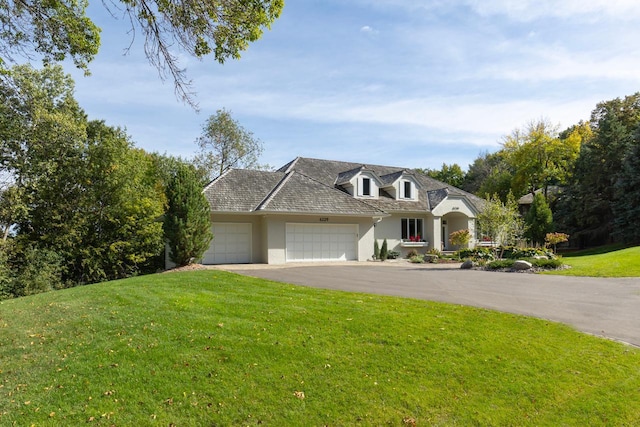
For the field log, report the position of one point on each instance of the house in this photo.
(325, 210)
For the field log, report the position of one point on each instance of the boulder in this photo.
(522, 265)
(467, 265)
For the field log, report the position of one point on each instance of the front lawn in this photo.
(617, 263)
(211, 348)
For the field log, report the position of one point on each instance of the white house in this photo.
(325, 210)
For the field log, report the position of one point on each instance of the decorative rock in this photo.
(540, 257)
(467, 265)
(522, 265)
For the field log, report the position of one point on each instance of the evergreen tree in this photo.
(384, 251)
(539, 220)
(187, 224)
(376, 249)
(627, 191)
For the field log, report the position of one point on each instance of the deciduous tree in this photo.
(57, 29)
(225, 144)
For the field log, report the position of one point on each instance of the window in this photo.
(412, 229)
(366, 186)
(407, 189)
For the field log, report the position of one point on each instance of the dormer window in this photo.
(366, 186)
(407, 189)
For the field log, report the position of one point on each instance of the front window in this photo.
(412, 229)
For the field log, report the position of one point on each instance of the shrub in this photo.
(476, 254)
(376, 249)
(512, 252)
(392, 254)
(412, 254)
(500, 263)
(35, 270)
(434, 251)
(416, 259)
(547, 263)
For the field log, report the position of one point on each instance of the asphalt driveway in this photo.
(603, 307)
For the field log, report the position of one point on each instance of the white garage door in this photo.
(322, 242)
(231, 244)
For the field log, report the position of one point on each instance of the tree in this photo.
(452, 175)
(500, 221)
(187, 224)
(460, 238)
(225, 144)
(85, 194)
(122, 205)
(626, 210)
(590, 206)
(489, 174)
(384, 251)
(539, 157)
(58, 29)
(539, 219)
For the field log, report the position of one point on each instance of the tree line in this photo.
(80, 203)
(584, 179)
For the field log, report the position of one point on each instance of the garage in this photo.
(231, 244)
(321, 242)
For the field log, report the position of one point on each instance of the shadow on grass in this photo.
(595, 251)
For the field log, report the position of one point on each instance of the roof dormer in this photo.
(360, 182)
(401, 185)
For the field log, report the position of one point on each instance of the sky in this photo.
(408, 83)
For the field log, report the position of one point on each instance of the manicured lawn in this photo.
(210, 348)
(617, 263)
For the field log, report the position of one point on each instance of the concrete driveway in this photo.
(605, 307)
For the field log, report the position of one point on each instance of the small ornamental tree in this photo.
(554, 239)
(376, 249)
(384, 251)
(460, 237)
(186, 223)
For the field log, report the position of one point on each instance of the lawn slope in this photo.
(617, 263)
(216, 349)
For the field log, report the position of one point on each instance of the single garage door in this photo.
(231, 244)
(322, 242)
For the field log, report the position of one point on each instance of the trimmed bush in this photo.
(416, 259)
(392, 254)
(500, 264)
(376, 249)
(549, 264)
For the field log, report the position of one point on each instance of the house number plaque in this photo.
(324, 219)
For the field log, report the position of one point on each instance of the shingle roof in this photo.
(241, 190)
(299, 193)
(326, 171)
(312, 186)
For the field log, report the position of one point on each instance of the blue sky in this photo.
(396, 82)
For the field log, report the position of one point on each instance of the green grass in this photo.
(603, 263)
(210, 348)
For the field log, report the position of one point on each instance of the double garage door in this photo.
(321, 242)
(232, 243)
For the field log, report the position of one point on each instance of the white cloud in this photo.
(529, 10)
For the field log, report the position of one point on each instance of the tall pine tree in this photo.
(187, 224)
